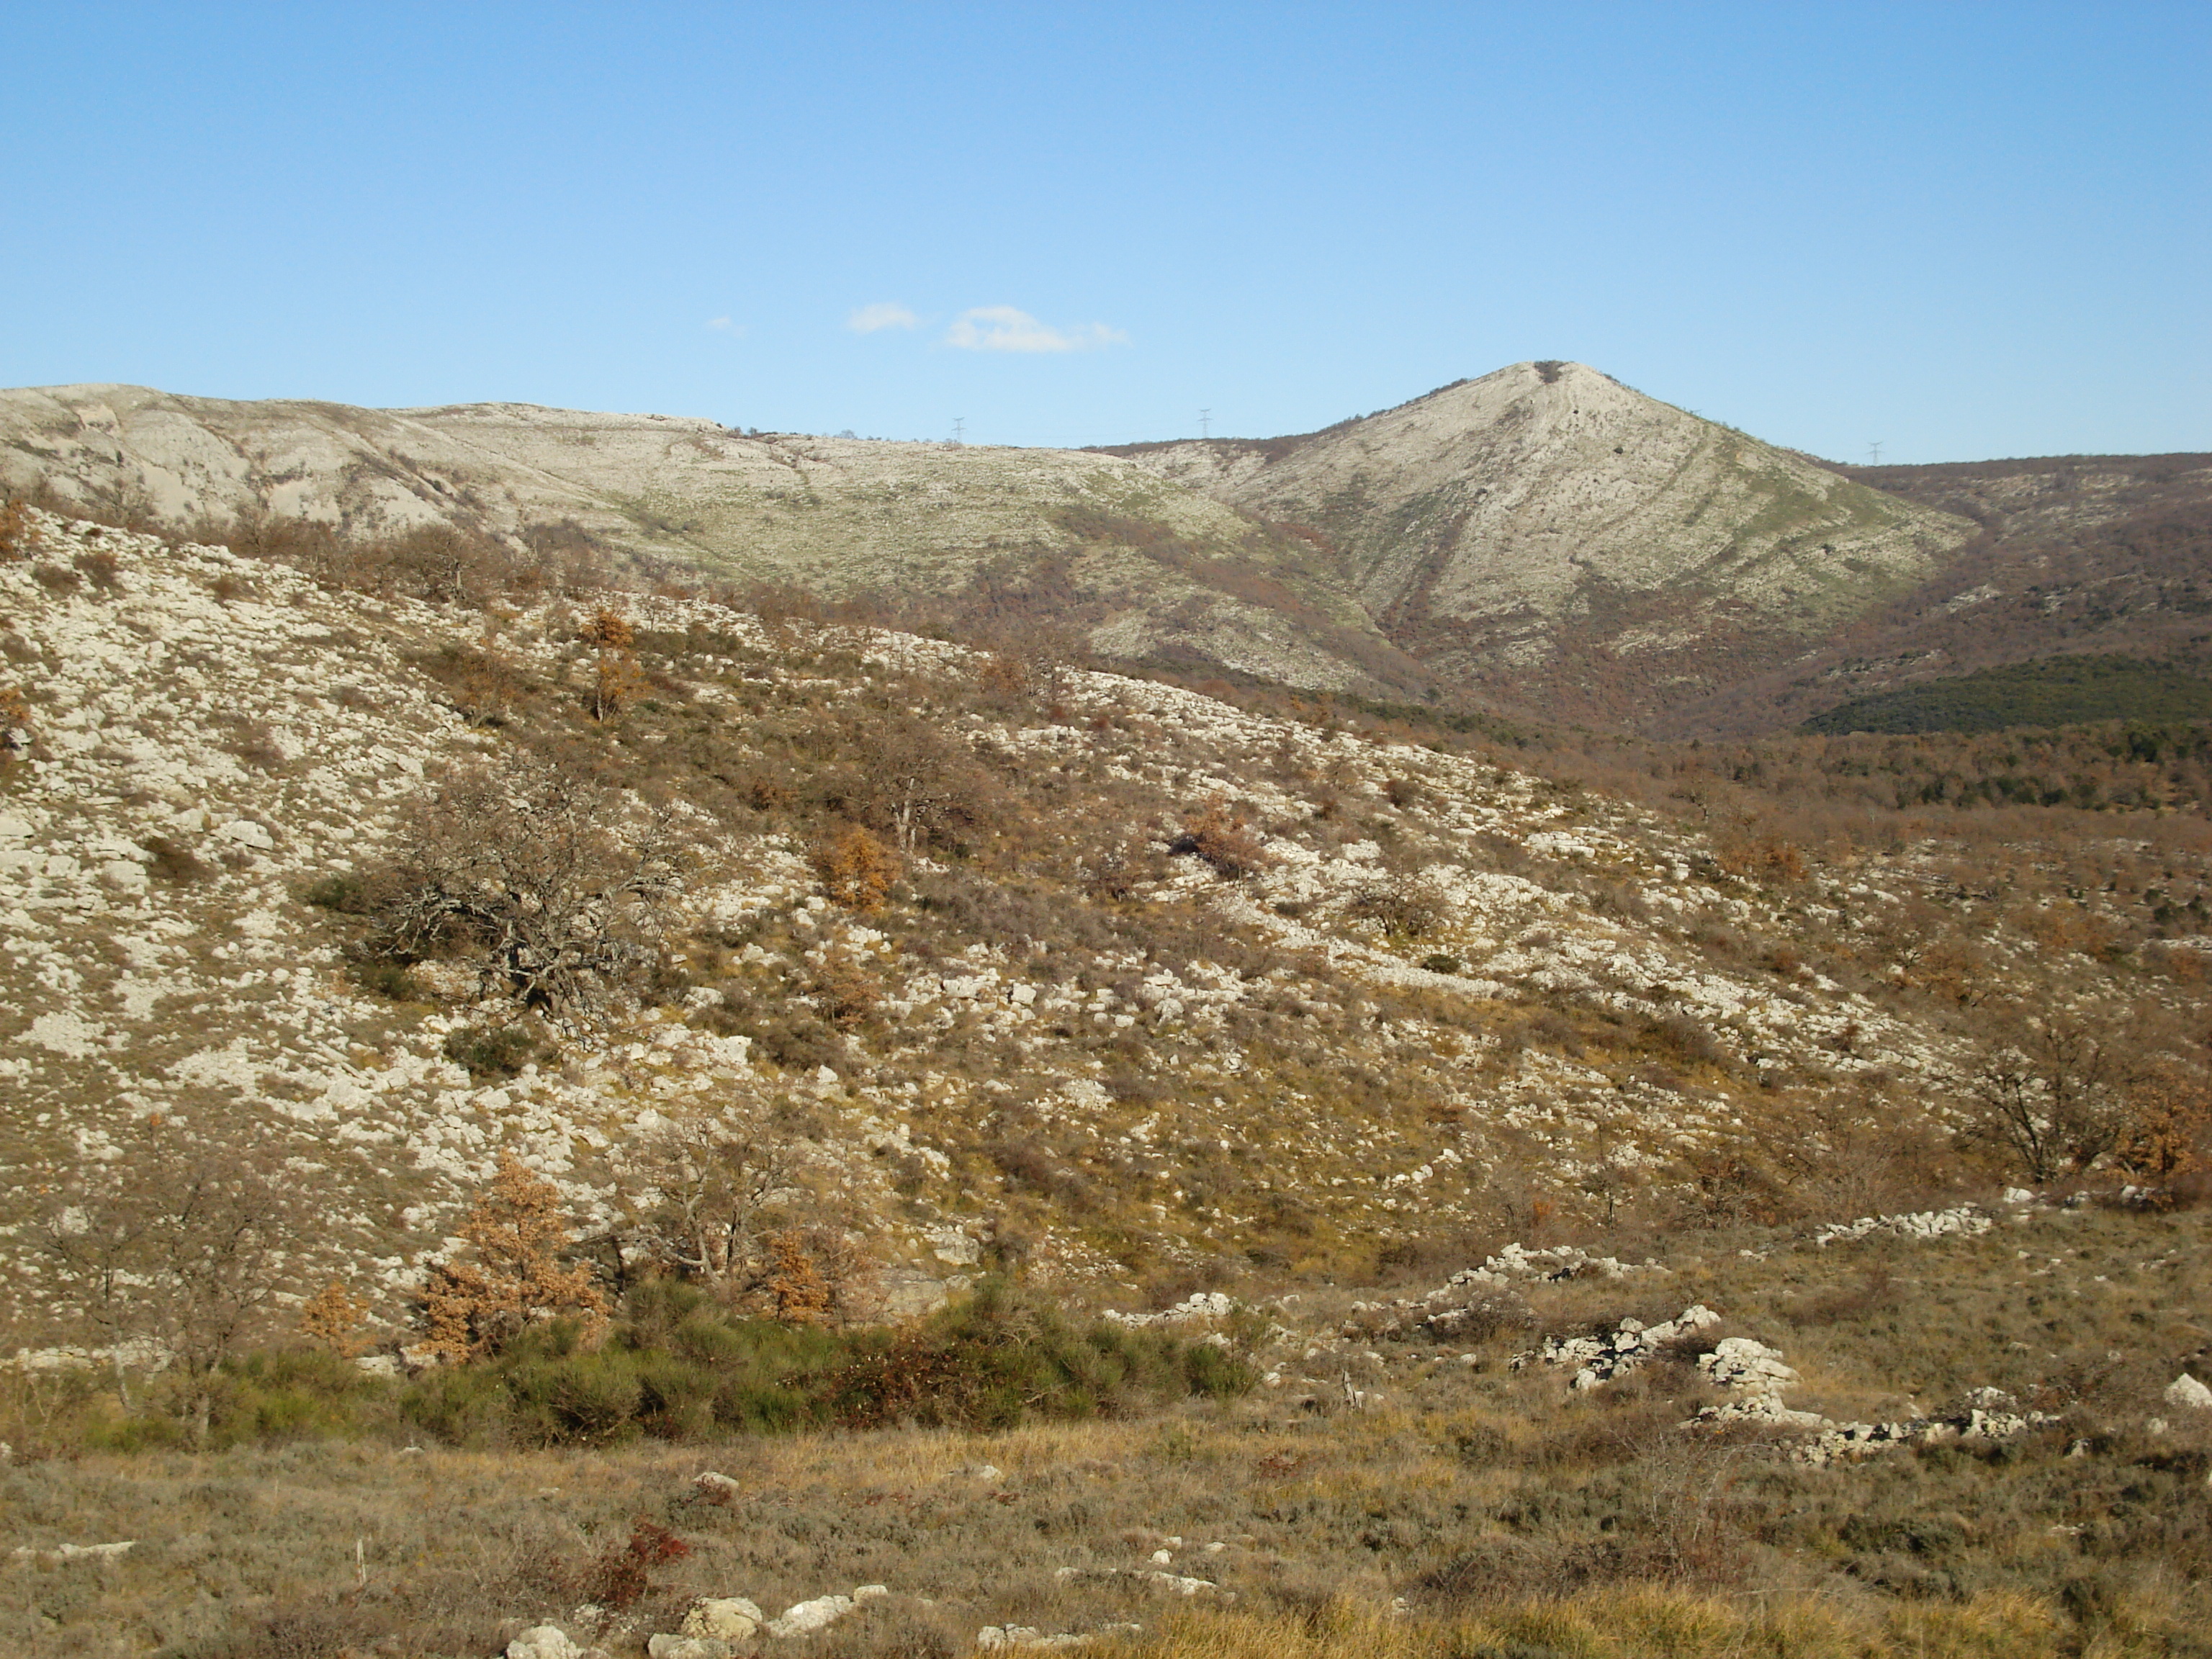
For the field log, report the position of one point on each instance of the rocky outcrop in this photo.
(1598, 1360)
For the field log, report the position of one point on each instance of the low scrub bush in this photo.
(1221, 839)
(167, 860)
(998, 1361)
(491, 1053)
(677, 1368)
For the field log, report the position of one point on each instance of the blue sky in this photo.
(1961, 230)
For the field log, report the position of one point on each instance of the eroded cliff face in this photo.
(1545, 531)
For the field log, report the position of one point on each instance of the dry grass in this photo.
(1513, 1517)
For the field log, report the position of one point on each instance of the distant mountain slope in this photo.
(1149, 568)
(2090, 555)
(1549, 539)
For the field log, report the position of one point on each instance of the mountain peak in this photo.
(1483, 520)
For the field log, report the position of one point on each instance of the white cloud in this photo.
(1002, 328)
(884, 314)
(724, 325)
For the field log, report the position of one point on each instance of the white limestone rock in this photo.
(805, 1616)
(1738, 1362)
(722, 1618)
(2188, 1394)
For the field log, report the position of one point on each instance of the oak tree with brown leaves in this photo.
(518, 1279)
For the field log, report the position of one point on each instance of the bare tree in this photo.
(179, 1258)
(2055, 1090)
(1410, 907)
(708, 1186)
(912, 777)
(549, 881)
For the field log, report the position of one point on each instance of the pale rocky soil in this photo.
(1538, 534)
(277, 732)
(1519, 497)
(833, 516)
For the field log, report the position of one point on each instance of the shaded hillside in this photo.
(1547, 541)
(2077, 555)
(2044, 691)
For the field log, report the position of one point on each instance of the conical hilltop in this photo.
(1547, 535)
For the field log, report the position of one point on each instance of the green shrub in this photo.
(998, 1360)
(493, 1053)
(384, 979)
(344, 891)
(460, 1404)
(676, 1368)
(171, 861)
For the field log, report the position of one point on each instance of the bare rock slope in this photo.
(1550, 538)
(1147, 568)
(1406, 977)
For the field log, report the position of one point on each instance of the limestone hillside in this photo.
(1151, 993)
(1552, 541)
(1145, 568)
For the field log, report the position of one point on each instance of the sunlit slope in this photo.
(1146, 567)
(1545, 532)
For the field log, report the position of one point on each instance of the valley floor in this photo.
(1464, 1506)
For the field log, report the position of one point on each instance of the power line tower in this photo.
(1874, 451)
(959, 428)
(1205, 423)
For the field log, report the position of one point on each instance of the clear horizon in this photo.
(1964, 233)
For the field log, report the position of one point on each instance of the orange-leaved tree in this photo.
(518, 1279)
(331, 1319)
(857, 869)
(616, 680)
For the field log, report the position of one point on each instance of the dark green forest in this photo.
(2045, 691)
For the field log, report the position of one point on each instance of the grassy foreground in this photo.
(1466, 1509)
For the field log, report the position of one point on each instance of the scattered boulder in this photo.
(806, 1617)
(714, 1488)
(2187, 1393)
(725, 1618)
(1167, 1581)
(62, 1552)
(1198, 1305)
(687, 1647)
(544, 1642)
(1760, 1408)
(1850, 1440)
(1738, 1362)
(995, 1637)
(1965, 1222)
(1601, 1359)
